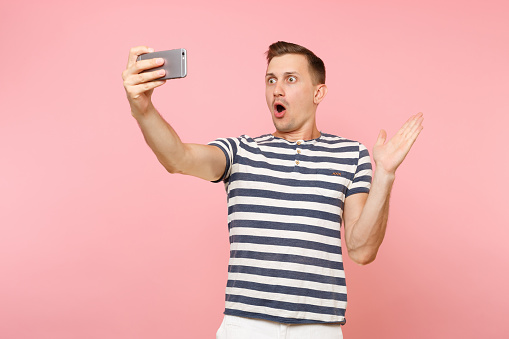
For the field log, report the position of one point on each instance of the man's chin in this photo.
(282, 132)
(282, 127)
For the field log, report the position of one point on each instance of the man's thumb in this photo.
(381, 137)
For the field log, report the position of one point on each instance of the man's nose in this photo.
(278, 90)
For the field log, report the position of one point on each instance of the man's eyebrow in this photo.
(285, 74)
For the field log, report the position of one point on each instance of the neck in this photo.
(298, 135)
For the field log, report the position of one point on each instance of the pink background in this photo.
(98, 241)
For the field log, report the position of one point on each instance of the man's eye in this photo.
(272, 81)
(292, 79)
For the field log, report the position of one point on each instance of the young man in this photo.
(288, 193)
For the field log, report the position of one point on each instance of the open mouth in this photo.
(279, 110)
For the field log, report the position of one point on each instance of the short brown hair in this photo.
(316, 64)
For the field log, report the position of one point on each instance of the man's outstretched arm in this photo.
(202, 161)
(365, 215)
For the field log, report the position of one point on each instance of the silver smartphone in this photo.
(175, 63)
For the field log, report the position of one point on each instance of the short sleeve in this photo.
(361, 182)
(229, 147)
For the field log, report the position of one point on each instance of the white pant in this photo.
(246, 328)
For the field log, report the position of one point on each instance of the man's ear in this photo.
(320, 93)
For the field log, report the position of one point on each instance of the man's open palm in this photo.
(388, 156)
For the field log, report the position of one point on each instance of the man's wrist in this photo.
(140, 114)
(384, 176)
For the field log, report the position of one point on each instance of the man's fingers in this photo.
(135, 52)
(136, 79)
(135, 91)
(412, 134)
(139, 83)
(415, 120)
(405, 125)
(414, 125)
(413, 137)
(142, 65)
(416, 132)
(411, 124)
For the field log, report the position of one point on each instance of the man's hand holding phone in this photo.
(140, 86)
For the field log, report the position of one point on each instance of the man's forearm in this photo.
(366, 235)
(202, 161)
(162, 139)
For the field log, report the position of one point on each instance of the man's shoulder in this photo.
(241, 141)
(335, 140)
(259, 139)
(247, 138)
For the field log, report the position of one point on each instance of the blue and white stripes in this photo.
(285, 207)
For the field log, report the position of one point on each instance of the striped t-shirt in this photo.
(285, 207)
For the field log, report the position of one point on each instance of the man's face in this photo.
(290, 92)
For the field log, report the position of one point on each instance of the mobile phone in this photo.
(175, 63)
